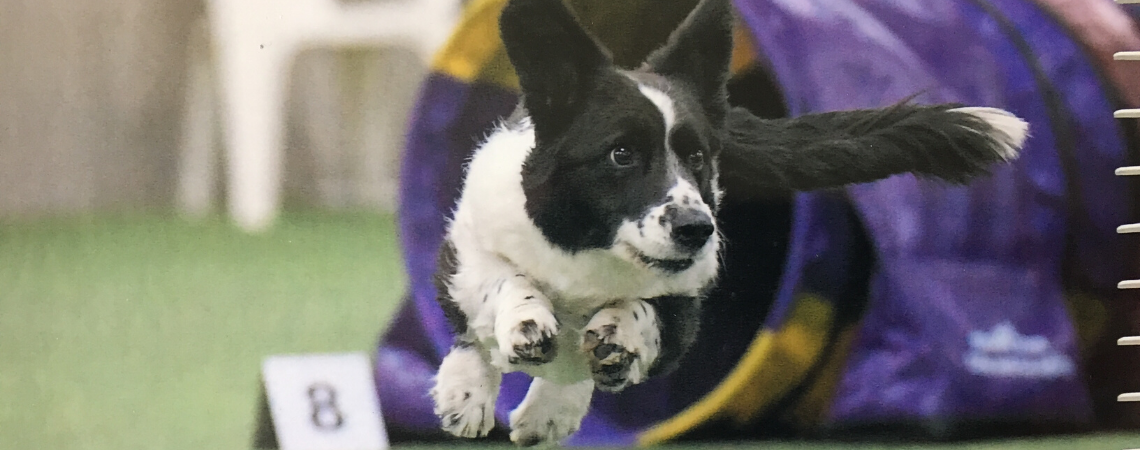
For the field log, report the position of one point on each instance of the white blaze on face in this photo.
(669, 112)
(664, 104)
(651, 235)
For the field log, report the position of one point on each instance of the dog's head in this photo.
(624, 160)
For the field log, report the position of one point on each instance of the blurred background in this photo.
(126, 324)
(94, 95)
(188, 187)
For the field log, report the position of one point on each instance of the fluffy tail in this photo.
(819, 151)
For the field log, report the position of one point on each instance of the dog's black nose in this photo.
(691, 227)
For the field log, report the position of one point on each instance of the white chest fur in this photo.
(497, 243)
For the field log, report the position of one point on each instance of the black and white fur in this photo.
(585, 234)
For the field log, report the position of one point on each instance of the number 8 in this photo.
(326, 416)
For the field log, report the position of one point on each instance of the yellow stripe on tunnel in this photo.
(474, 45)
(774, 363)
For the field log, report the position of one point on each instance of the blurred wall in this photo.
(348, 112)
(91, 98)
(89, 102)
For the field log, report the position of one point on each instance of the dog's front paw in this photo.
(526, 333)
(614, 366)
(621, 344)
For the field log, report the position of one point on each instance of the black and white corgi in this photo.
(586, 234)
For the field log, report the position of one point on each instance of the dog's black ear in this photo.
(699, 52)
(828, 150)
(555, 58)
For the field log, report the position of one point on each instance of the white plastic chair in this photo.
(241, 80)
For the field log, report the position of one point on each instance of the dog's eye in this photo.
(621, 157)
(697, 161)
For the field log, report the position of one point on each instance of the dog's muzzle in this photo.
(691, 228)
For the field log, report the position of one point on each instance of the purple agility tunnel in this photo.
(901, 306)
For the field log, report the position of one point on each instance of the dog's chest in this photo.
(574, 312)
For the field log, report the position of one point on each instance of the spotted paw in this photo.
(620, 344)
(610, 363)
(530, 339)
(531, 344)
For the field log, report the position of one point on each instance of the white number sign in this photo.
(324, 402)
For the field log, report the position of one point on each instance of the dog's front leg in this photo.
(622, 342)
(550, 412)
(508, 308)
(525, 326)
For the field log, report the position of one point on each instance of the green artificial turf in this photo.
(148, 332)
